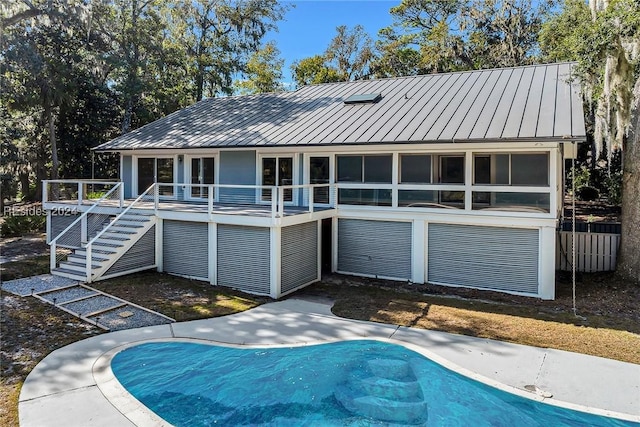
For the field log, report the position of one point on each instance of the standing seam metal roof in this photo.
(509, 104)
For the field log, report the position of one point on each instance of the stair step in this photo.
(130, 223)
(123, 231)
(82, 257)
(383, 409)
(70, 274)
(76, 266)
(109, 243)
(109, 235)
(96, 253)
(391, 369)
(389, 389)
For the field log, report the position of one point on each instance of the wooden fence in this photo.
(594, 251)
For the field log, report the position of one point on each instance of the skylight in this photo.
(365, 98)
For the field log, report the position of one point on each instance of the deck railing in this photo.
(89, 222)
(84, 191)
(304, 197)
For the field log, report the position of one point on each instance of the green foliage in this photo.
(349, 56)
(613, 188)
(13, 226)
(452, 35)
(264, 71)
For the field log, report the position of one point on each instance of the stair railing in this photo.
(77, 232)
(88, 248)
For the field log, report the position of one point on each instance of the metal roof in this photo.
(508, 104)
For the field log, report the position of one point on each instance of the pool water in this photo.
(350, 383)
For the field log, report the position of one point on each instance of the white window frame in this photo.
(134, 173)
(187, 172)
(294, 176)
(306, 179)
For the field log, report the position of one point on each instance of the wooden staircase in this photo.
(109, 245)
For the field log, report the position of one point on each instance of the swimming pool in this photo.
(362, 382)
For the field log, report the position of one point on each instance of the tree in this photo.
(603, 38)
(348, 57)
(314, 70)
(452, 35)
(220, 35)
(263, 71)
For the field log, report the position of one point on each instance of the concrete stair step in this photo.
(381, 409)
(389, 389)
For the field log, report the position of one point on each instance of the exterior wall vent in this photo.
(366, 98)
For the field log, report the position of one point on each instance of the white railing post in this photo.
(156, 197)
(83, 229)
(281, 203)
(210, 196)
(311, 191)
(53, 260)
(80, 195)
(45, 191)
(88, 263)
(121, 194)
(274, 201)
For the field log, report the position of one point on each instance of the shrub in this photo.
(18, 225)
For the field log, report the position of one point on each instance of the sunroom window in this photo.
(419, 170)
(364, 169)
(512, 170)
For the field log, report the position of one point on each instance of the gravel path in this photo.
(117, 317)
(36, 284)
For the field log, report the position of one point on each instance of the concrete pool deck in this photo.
(68, 387)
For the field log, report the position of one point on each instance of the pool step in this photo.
(386, 391)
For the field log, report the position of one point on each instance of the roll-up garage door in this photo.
(185, 247)
(244, 258)
(498, 258)
(378, 248)
(299, 255)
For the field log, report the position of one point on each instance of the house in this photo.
(453, 179)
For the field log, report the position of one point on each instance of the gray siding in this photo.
(484, 257)
(378, 248)
(141, 254)
(185, 248)
(299, 255)
(59, 223)
(237, 167)
(127, 176)
(244, 258)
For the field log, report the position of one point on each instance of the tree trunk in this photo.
(628, 267)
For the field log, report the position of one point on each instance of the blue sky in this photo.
(309, 27)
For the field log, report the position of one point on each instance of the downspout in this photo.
(573, 232)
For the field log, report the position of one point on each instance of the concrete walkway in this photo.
(69, 387)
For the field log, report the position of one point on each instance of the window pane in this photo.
(515, 202)
(349, 168)
(482, 169)
(452, 169)
(415, 168)
(319, 174)
(285, 176)
(530, 169)
(165, 175)
(146, 174)
(377, 168)
(418, 198)
(195, 178)
(268, 176)
(452, 198)
(364, 196)
(502, 169)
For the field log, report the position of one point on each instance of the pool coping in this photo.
(99, 399)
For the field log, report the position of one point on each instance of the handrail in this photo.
(128, 208)
(89, 245)
(86, 213)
